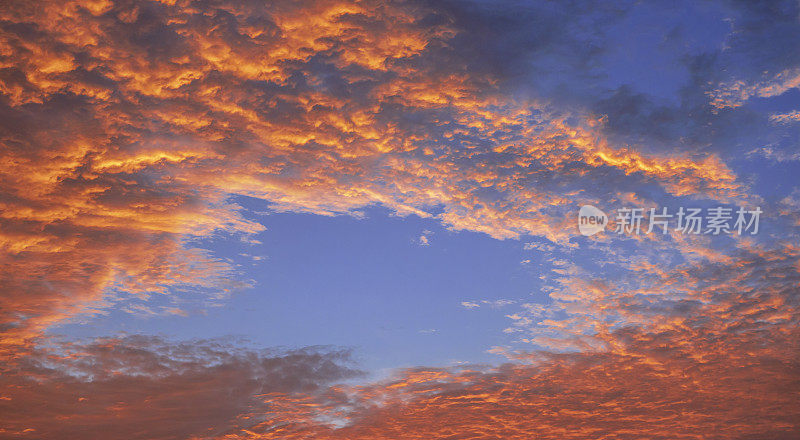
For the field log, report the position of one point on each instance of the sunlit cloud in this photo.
(128, 130)
(721, 358)
(736, 93)
(785, 118)
(326, 107)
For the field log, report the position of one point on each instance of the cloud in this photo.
(127, 127)
(736, 93)
(774, 154)
(491, 303)
(785, 118)
(721, 359)
(680, 354)
(141, 387)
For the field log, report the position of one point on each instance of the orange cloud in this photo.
(735, 93)
(127, 127)
(785, 118)
(721, 362)
(140, 120)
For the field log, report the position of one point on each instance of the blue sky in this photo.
(363, 282)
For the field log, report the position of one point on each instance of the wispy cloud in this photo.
(785, 118)
(736, 93)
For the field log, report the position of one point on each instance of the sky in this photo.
(359, 219)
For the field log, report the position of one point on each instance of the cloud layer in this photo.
(127, 129)
(128, 125)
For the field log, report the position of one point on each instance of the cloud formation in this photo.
(736, 93)
(130, 123)
(140, 387)
(128, 128)
(720, 362)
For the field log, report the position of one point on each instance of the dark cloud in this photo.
(140, 387)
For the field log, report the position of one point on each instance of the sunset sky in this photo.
(358, 219)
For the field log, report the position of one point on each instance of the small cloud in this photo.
(428, 331)
(253, 257)
(792, 201)
(140, 310)
(531, 246)
(494, 304)
(785, 118)
(734, 94)
(777, 155)
(175, 311)
(249, 240)
(424, 238)
(499, 302)
(535, 309)
(790, 205)
(499, 350)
